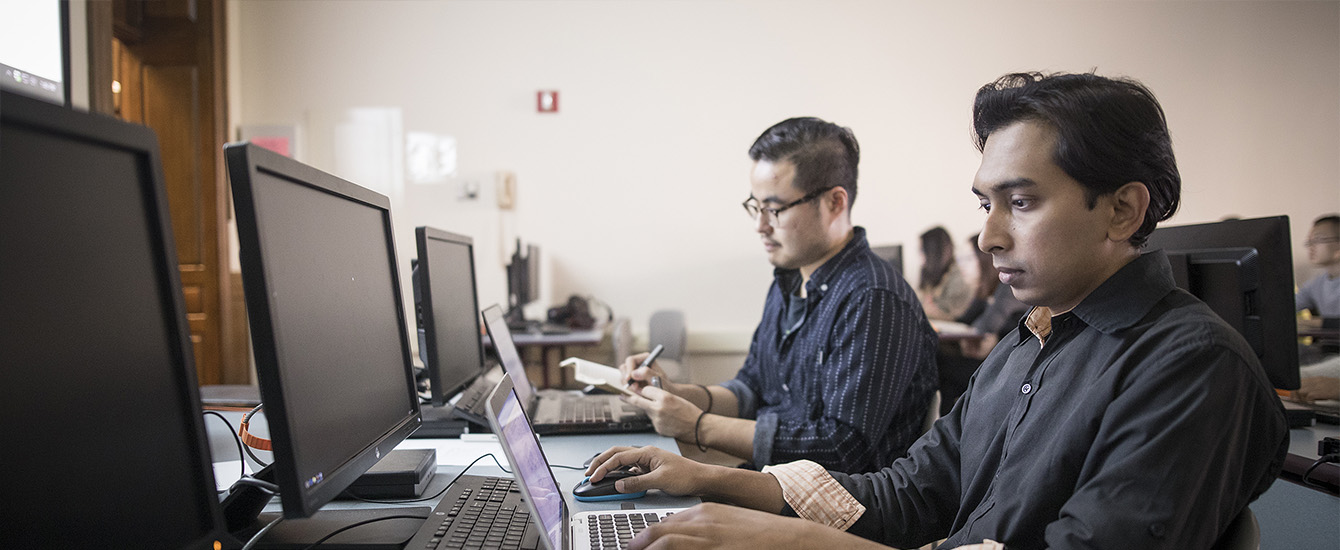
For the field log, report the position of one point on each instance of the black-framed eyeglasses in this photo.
(753, 209)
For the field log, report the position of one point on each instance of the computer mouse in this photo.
(604, 489)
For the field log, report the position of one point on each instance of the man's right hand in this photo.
(677, 475)
(666, 471)
(640, 377)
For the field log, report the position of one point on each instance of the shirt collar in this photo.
(789, 279)
(1120, 302)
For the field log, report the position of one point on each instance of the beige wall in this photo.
(633, 189)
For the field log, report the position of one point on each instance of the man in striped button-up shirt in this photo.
(841, 369)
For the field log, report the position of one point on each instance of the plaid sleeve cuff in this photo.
(987, 544)
(815, 495)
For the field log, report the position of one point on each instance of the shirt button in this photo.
(823, 288)
(1027, 389)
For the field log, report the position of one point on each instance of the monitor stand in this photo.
(374, 528)
(516, 320)
(440, 423)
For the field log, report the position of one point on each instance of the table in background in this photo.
(558, 343)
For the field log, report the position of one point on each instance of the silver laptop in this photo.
(562, 412)
(605, 529)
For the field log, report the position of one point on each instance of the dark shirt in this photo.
(850, 387)
(1144, 422)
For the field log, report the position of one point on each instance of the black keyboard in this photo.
(477, 513)
(472, 399)
(585, 411)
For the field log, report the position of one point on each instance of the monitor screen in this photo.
(532, 272)
(1242, 269)
(104, 433)
(509, 421)
(34, 58)
(523, 276)
(324, 304)
(892, 253)
(448, 311)
(501, 337)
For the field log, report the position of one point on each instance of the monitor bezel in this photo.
(57, 120)
(1270, 238)
(887, 252)
(245, 162)
(442, 392)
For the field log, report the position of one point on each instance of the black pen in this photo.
(655, 352)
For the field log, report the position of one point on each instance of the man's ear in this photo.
(1129, 204)
(837, 201)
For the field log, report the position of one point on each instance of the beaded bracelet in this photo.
(696, 426)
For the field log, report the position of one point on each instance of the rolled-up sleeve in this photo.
(813, 494)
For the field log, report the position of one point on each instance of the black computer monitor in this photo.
(523, 282)
(104, 441)
(1242, 269)
(327, 324)
(892, 253)
(35, 50)
(447, 311)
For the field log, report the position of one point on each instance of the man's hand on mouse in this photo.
(664, 470)
(672, 415)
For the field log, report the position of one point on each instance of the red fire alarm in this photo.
(546, 101)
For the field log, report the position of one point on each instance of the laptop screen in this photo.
(507, 354)
(531, 468)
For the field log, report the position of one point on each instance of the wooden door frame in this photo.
(203, 22)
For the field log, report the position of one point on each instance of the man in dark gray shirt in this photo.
(1121, 413)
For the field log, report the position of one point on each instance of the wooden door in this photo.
(166, 58)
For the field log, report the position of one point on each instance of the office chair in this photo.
(666, 327)
(1243, 533)
(621, 341)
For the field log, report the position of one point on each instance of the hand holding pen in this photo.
(655, 379)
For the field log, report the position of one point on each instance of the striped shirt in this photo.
(849, 388)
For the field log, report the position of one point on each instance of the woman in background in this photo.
(944, 293)
(994, 312)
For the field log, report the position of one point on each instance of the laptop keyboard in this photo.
(478, 512)
(585, 411)
(472, 400)
(613, 530)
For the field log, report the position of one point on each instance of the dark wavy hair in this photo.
(938, 248)
(824, 153)
(1109, 132)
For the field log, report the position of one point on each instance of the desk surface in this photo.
(576, 337)
(1303, 453)
(454, 454)
(1303, 441)
(1292, 514)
